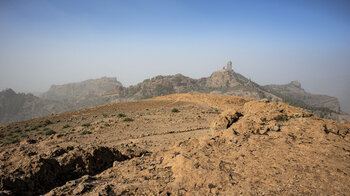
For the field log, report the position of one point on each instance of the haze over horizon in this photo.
(272, 42)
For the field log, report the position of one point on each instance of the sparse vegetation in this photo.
(12, 140)
(34, 127)
(85, 132)
(107, 125)
(86, 125)
(65, 126)
(105, 115)
(282, 118)
(23, 134)
(50, 132)
(47, 122)
(128, 119)
(175, 110)
(121, 115)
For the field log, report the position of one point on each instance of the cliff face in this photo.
(295, 91)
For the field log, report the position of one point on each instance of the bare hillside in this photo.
(181, 144)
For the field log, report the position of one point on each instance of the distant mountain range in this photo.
(93, 92)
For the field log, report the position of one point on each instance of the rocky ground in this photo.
(182, 144)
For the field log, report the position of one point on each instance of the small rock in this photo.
(276, 128)
(265, 100)
(115, 164)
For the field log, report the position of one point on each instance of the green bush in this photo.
(86, 125)
(47, 122)
(121, 115)
(128, 119)
(85, 132)
(34, 127)
(175, 110)
(105, 115)
(283, 118)
(65, 126)
(50, 132)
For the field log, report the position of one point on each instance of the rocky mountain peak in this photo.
(295, 83)
(222, 78)
(228, 66)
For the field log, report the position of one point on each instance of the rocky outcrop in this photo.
(222, 78)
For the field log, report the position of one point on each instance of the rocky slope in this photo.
(209, 145)
(59, 98)
(294, 90)
(81, 90)
(19, 106)
(82, 94)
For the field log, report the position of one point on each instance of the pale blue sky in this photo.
(60, 41)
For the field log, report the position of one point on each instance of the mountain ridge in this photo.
(93, 92)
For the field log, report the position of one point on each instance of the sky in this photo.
(45, 42)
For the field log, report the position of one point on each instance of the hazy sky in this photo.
(56, 42)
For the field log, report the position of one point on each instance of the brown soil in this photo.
(254, 147)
